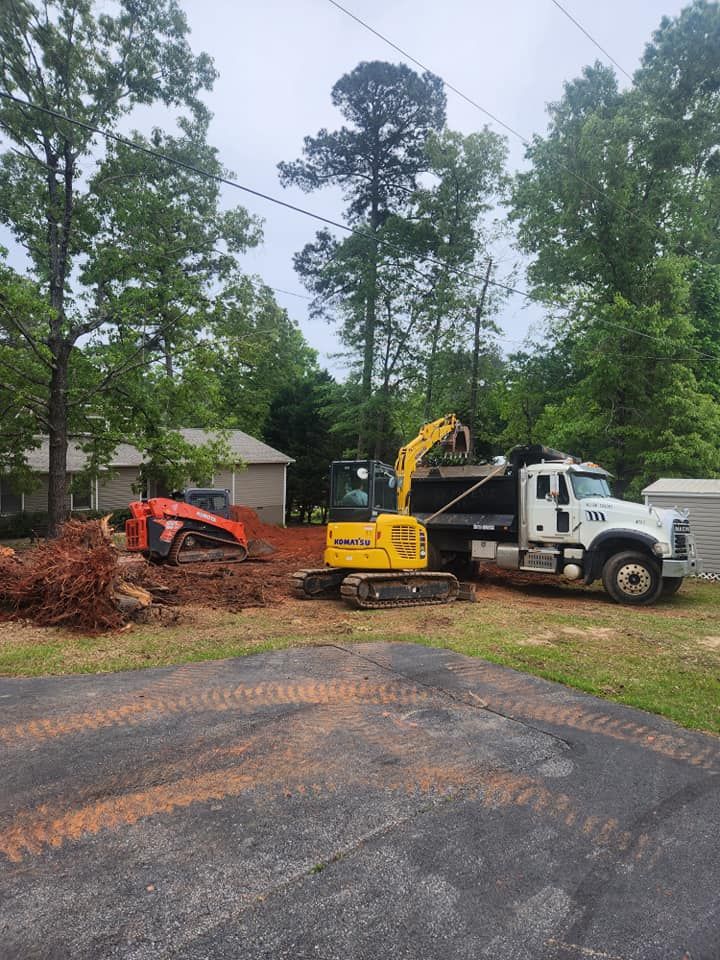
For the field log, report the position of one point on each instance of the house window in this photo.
(81, 496)
(10, 502)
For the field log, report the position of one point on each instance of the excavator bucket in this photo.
(260, 548)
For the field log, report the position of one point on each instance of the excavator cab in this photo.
(361, 489)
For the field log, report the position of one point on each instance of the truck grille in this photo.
(681, 539)
(404, 540)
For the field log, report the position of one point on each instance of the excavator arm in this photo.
(409, 455)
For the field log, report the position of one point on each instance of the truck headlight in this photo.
(662, 549)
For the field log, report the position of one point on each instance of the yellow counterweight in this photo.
(390, 542)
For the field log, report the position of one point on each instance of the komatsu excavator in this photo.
(189, 527)
(376, 554)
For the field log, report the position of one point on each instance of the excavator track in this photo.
(323, 582)
(375, 591)
(219, 548)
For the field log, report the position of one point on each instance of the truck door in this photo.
(550, 509)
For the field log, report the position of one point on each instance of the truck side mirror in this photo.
(554, 487)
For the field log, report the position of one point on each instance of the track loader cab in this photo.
(211, 500)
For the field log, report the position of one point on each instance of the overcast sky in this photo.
(278, 60)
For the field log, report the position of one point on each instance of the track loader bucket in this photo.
(260, 548)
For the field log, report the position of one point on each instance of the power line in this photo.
(523, 139)
(218, 178)
(419, 63)
(590, 38)
(291, 293)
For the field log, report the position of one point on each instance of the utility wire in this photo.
(598, 191)
(218, 178)
(590, 38)
(419, 63)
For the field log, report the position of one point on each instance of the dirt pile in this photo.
(234, 586)
(255, 529)
(80, 581)
(66, 582)
(299, 542)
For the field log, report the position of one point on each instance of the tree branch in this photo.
(27, 335)
(22, 373)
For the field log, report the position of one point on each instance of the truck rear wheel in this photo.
(632, 578)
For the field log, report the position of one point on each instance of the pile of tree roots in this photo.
(70, 582)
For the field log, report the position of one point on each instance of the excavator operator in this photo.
(357, 495)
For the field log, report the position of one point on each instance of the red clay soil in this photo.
(232, 586)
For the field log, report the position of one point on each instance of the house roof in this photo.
(242, 446)
(683, 486)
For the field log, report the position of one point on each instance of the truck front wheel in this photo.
(632, 578)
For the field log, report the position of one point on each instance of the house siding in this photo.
(37, 501)
(222, 480)
(116, 490)
(704, 516)
(260, 486)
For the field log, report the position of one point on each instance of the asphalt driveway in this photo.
(377, 801)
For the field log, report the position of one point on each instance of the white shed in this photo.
(701, 498)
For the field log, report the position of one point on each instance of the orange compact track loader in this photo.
(193, 526)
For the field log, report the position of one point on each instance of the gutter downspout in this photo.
(284, 496)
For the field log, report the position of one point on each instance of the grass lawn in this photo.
(665, 659)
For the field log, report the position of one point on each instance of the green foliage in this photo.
(376, 160)
(616, 211)
(137, 320)
(396, 310)
(390, 111)
(171, 461)
(302, 424)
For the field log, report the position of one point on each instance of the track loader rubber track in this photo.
(217, 549)
(375, 591)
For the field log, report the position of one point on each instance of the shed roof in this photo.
(680, 486)
(241, 444)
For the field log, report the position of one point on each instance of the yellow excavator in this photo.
(376, 555)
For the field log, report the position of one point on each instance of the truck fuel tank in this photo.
(508, 556)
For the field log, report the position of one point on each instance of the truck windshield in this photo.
(590, 485)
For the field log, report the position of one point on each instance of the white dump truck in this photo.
(547, 513)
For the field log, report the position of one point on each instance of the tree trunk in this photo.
(58, 441)
(476, 358)
(370, 324)
(430, 376)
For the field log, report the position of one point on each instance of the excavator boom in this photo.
(409, 455)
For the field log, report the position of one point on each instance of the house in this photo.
(701, 498)
(258, 480)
